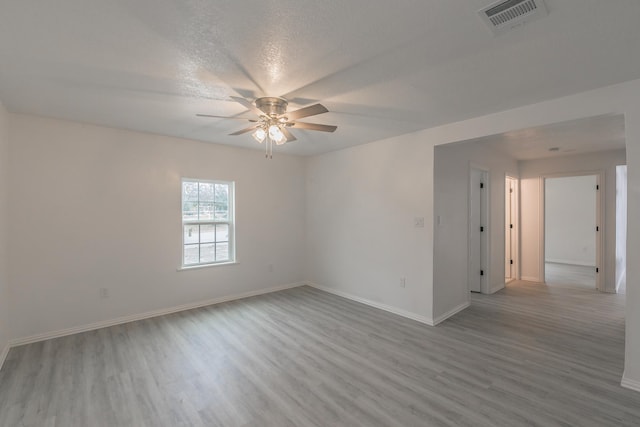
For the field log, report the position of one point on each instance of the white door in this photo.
(477, 229)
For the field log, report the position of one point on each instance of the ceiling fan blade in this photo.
(245, 130)
(248, 105)
(226, 117)
(313, 126)
(311, 110)
(288, 134)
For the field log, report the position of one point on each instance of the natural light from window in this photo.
(207, 222)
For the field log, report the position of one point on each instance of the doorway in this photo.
(478, 229)
(510, 229)
(571, 231)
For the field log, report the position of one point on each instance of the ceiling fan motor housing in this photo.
(272, 106)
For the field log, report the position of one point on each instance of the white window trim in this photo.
(231, 222)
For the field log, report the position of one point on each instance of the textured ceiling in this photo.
(382, 68)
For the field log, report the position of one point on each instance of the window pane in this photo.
(189, 210)
(222, 232)
(205, 203)
(207, 233)
(222, 211)
(191, 254)
(190, 191)
(190, 234)
(222, 193)
(206, 192)
(206, 210)
(222, 252)
(207, 253)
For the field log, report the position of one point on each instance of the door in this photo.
(477, 229)
(510, 229)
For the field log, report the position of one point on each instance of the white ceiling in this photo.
(581, 136)
(382, 68)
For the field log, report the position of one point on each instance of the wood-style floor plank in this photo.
(529, 355)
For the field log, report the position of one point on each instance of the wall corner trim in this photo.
(496, 288)
(630, 384)
(4, 354)
(380, 306)
(451, 312)
(146, 315)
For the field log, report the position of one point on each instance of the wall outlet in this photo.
(270, 268)
(403, 282)
(103, 292)
(418, 222)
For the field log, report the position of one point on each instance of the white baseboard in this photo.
(451, 312)
(391, 309)
(530, 279)
(147, 315)
(630, 384)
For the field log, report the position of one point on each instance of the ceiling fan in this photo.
(274, 121)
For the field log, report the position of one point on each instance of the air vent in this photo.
(505, 15)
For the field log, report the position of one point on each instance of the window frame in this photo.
(230, 222)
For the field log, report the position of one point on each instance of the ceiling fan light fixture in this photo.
(276, 134)
(273, 121)
(259, 135)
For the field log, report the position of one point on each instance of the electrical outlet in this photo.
(104, 293)
(270, 268)
(418, 222)
(403, 282)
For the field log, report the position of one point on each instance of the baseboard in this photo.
(530, 279)
(4, 354)
(146, 315)
(451, 312)
(391, 309)
(630, 384)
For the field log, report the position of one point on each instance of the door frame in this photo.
(515, 250)
(485, 210)
(600, 222)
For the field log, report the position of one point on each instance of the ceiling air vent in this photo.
(505, 15)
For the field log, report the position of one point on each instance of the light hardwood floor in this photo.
(529, 355)
(577, 276)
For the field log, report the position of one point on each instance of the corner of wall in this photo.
(5, 331)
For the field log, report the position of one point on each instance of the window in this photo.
(207, 222)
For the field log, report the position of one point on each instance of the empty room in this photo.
(356, 213)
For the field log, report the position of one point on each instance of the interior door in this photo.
(476, 229)
(509, 237)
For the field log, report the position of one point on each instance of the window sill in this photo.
(197, 267)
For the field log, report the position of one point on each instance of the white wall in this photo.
(5, 332)
(531, 172)
(451, 202)
(94, 207)
(570, 220)
(361, 206)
